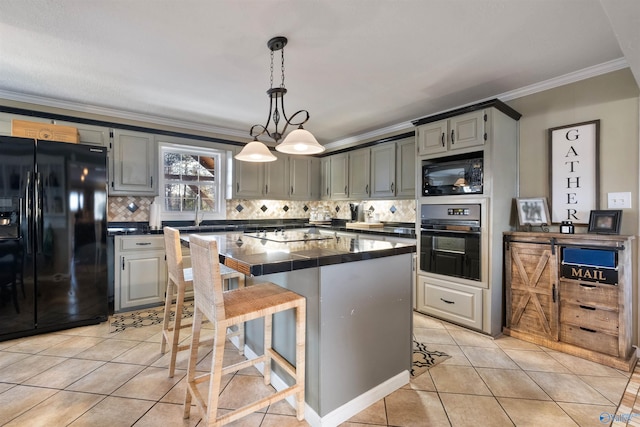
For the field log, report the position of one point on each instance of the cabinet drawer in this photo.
(591, 317)
(592, 294)
(142, 243)
(455, 302)
(589, 338)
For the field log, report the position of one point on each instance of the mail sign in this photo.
(607, 276)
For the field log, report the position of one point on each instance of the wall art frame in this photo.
(532, 211)
(574, 171)
(605, 221)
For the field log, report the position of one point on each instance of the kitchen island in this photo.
(359, 312)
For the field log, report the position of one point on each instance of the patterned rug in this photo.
(424, 359)
(151, 316)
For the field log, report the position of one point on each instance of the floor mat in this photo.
(424, 359)
(147, 317)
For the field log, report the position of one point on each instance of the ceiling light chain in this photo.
(299, 141)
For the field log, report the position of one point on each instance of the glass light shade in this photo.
(300, 141)
(255, 151)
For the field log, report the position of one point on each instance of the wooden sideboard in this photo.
(571, 293)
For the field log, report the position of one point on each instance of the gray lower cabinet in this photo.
(133, 163)
(140, 271)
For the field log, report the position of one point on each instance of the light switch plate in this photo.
(619, 200)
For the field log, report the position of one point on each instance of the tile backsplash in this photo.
(136, 209)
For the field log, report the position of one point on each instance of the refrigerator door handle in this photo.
(38, 217)
(28, 208)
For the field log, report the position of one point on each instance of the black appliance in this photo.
(452, 176)
(450, 238)
(53, 270)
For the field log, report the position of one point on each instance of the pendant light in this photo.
(299, 141)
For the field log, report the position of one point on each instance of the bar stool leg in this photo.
(177, 322)
(193, 359)
(268, 328)
(301, 317)
(168, 301)
(216, 373)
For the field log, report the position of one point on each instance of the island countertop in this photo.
(257, 254)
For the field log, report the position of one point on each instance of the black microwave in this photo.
(452, 176)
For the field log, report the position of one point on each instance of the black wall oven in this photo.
(450, 240)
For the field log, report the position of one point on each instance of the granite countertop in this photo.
(257, 254)
(404, 230)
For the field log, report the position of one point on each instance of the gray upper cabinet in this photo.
(460, 134)
(359, 173)
(134, 163)
(304, 174)
(276, 177)
(339, 177)
(406, 168)
(393, 169)
(383, 170)
(325, 178)
(254, 180)
(89, 134)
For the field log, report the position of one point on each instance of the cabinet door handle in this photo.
(266, 189)
(345, 189)
(442, 139)
(366, 189)
(237, 187)
(553, 293)
(587, 286)
(586, 307)
(452, 137)
(447, 301)
(123, 263)
(392, 187)
(291, 190)
(151, 180)
(143, 243)
(593, 331)
(327, 191)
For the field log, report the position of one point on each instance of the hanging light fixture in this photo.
(299, 141)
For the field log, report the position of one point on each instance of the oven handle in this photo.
(441, 232)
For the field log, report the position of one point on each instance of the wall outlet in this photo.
(619, 200)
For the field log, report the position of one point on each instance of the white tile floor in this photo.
(90, 377)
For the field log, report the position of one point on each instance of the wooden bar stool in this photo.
(178, 280)
(224, 309)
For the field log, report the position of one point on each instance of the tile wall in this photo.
(136, 209)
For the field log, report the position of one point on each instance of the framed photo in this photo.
(605, 222)
(574, 171)
(532, 211)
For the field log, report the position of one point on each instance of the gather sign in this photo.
(573, 171)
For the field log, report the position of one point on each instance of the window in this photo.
(192, 182)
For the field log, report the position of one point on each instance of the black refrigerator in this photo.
(53, 225)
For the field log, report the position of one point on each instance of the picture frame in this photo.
(533, 211)
(605, 221)
(574, 152)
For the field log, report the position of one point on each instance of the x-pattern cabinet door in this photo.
(532, 305)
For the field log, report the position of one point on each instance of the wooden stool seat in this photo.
(225, 309)
(178, 280)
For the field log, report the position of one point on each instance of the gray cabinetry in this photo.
(134, 163)
(359, 173)
(325, 178)
(140, 276)
(89, 134)
(339, 176)
(260, 180)
(454, 134)
(304, 174)
(406, 168)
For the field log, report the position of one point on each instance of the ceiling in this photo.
(360, 67)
